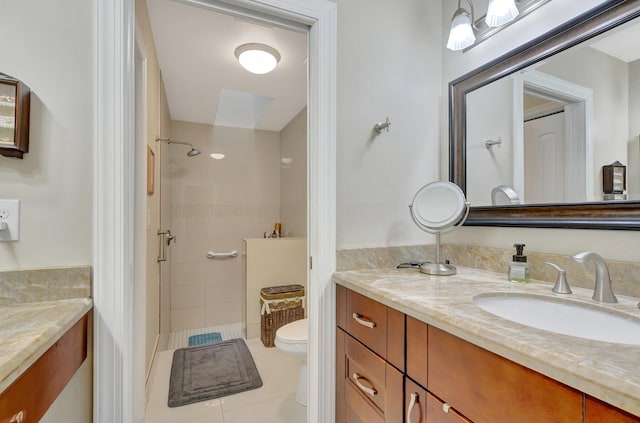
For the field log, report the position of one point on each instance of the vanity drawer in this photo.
(367, 322)
(358, 409)
(373, 380)
(488, 388)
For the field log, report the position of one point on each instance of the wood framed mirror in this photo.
(14, 117)
(587, 210)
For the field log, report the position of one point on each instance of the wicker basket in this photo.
(279, 305)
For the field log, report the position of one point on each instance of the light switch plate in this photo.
(10, 214)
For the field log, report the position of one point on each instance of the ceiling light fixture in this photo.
(501, 12)
(257, 58)
(217, 156)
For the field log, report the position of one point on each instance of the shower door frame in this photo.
(116, 393)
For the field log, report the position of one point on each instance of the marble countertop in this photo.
(603, 370)
(27, 330)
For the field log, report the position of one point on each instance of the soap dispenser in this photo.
(519, 268)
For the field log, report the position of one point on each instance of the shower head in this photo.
(193, 152)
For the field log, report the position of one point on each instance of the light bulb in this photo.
(461, 34)
(501, 12)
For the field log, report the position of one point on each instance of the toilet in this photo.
(293, 338)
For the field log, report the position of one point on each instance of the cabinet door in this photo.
(422, 407)
(395, 338)
(417, 350)
(488, 388)
(415, 402)
(440, 412)
(597, 411)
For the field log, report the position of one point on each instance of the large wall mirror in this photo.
(531, 131)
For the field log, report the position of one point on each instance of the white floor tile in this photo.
(274, 402)
(280, 409)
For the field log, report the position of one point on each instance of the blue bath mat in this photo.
(205, 338)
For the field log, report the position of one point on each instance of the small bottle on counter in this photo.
(519, 268)
(276, 231)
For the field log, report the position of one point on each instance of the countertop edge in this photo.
(83, 306)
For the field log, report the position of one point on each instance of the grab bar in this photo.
(211, 254)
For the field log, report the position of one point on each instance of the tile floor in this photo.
(274, 402)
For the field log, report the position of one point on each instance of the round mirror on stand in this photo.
(437, 208)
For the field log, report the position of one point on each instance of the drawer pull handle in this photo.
(370, 391)
(358, 318)
(412, 403)
(18, 418)
(446, 407)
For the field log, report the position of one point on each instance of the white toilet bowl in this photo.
(293, 338)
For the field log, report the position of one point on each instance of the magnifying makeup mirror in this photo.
(437, 208)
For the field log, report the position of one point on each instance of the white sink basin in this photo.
(563, 316)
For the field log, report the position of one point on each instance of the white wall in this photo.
(293, 176)
(388, 65)
(49, 46)
(488, 168)
(611, 244)
(633, 141)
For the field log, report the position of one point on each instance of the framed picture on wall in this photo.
(151, 163)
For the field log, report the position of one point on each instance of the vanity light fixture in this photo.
(257, 58)
(466, 32)
(501, 12)
(461, 33)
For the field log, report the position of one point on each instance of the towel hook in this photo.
(381, 126)
(490, 143)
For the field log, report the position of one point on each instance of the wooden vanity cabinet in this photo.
(369, 360)
(597, 411)
(31, 395)
(452, 380)
(488, 388)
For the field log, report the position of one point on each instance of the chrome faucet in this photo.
(602, 291)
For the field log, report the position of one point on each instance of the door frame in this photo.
(560, 89)
(115, 389)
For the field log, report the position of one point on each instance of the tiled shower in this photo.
(215, 204)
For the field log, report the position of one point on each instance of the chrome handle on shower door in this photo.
(165, 237)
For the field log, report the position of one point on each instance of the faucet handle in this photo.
(561, 286)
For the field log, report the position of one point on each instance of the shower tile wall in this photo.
(215, 204)
(293, 176)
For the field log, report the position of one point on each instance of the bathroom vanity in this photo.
(416, 348)
(44, 330)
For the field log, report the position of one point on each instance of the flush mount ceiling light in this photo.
(501, 12)
(257, 58)
(217, 156)
(461, 34)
